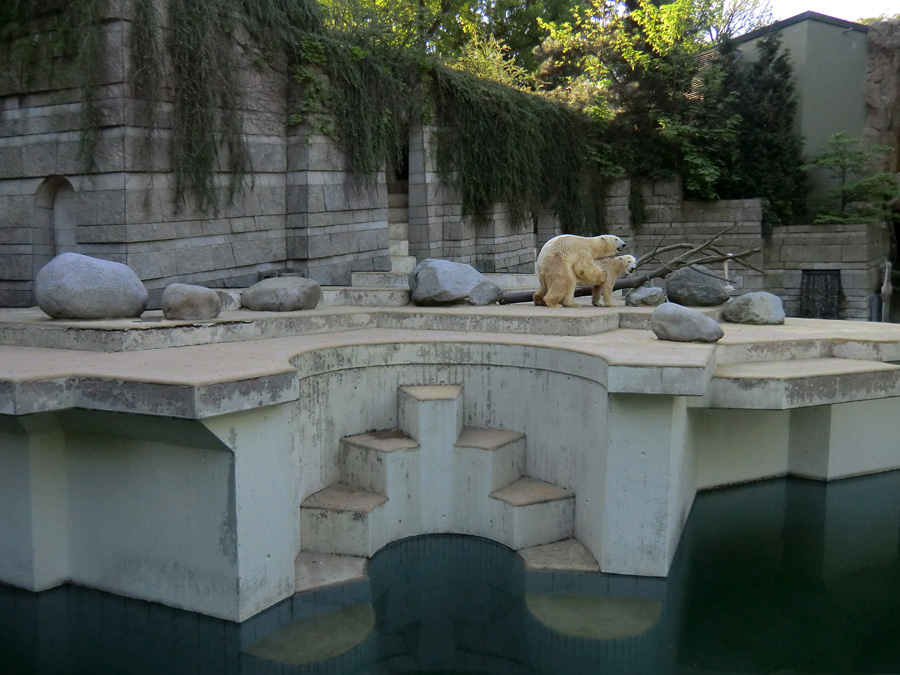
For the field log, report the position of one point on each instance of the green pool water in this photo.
(779, 577)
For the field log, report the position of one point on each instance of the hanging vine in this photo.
(502, 145)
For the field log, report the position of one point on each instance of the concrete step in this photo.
(534, 512)
(490, 458)
(379, 280)
(522, 282)
(398, 230)
(353, 296)
(382, 462)
(431, 412)
(403, 264)
(398, 214)
(342, 520)
(398, 248)
(398, 199)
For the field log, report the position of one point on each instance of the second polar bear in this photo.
(568, 259)
(621, 265)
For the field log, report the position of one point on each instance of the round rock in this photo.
(645, 296)
(696, 287)
(282, 294)
(760, 308)
(673, 322)
(188, 302)
(444, 282)
(75, 286)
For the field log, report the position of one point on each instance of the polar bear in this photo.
(621, 265)
(568, 259)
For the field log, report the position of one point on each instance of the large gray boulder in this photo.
(760, 308)
(188, 302)
(282, 294)
(696, 287)
(645, 296)
(75, 286)
(443, 282)
(683, 324)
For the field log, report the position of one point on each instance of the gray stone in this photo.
(282, 294)
(696, 286)
(188, 302)
(443, 282)
(759, 307)
(75, 286)
(645, 296)
(674, 322)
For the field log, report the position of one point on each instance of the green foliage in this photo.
(863, 194)
(764, 160)
(510, 147)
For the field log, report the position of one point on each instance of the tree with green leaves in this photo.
(862, 193)
(765, 158)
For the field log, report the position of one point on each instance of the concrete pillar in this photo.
(33, 502)
(650, 483)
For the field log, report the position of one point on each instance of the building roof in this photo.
(805, 16)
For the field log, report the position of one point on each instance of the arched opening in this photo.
(53, 223)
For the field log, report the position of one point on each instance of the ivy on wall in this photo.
(501, 145)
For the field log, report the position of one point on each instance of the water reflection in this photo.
(784, 576)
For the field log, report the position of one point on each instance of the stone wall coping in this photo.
(199, 381)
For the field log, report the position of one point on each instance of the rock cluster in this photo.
(443, 282)
(75, 286)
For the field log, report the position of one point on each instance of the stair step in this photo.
(382, 462)
(342, 497)
(487, 439)
(398, 230)
(493, 458)
(403, 264)
(398, 199)
(534, 512)
(398, 248)
(379, 279)
(353, 296)
(398, 214)
(338, 520)
(527, 491)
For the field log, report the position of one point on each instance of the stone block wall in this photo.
(437, 228)
(858, 252)
(335, 224)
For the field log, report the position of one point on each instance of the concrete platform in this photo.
(169, 460)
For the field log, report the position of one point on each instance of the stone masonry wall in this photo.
(335, 224)
(438, 230)
(883, 89)
(858, 252)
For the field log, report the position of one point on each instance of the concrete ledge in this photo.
(780, 385)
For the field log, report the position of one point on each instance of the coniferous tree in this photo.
(767, 156)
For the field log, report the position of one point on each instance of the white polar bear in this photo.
(568, 259)
(621, 265)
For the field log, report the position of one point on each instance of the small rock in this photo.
(230, 299)
(760, 308)
(188, 302)
(645, 296)
(75, 286)
(282, 294)
(695, 286)
(443, 282)
(674, 322)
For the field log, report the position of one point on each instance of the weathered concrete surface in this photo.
(630, 425)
